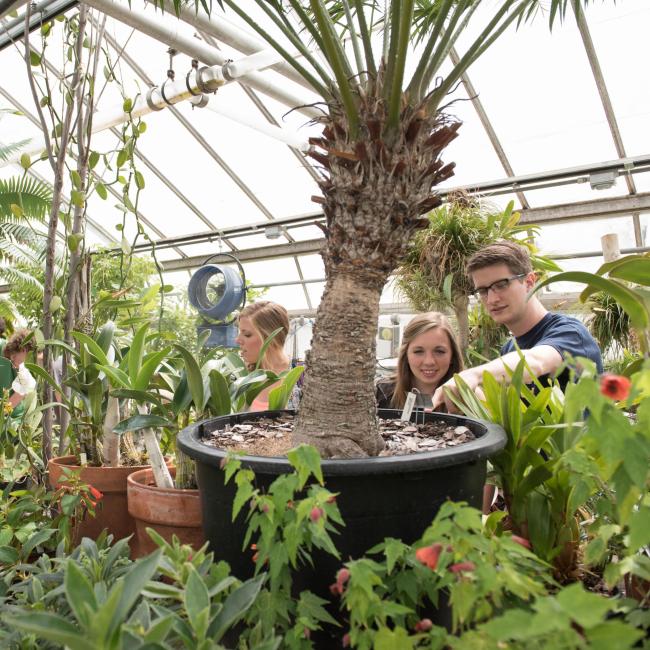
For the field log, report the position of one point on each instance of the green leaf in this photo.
(195, 596)
(93, 159)
(136, 350)
(219, 399)
(93, 348)
(101, 190)
(278, 396)
(143, 421)
(16, 210)
(306, 461)
(265, 345)
(236, 605)
(397, 639)
(36, 540)
(51, 628)
(75, 176)
(585, 608)
(149, 367)
(127, 106)
(8, 555)
(139, 180)
(77, 198)
(55, 304)
(74, 241)
(194, 377)
(134, 582)
(79, 594)
(122, 157)
(34, 58)
(118, 378)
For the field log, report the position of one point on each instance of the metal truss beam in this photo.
(248, 255)
(595, 209)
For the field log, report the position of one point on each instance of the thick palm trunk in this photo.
(338, 410)
(376, 185)
(461, 306)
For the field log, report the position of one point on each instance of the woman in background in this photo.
(257, 322)
(428, 356)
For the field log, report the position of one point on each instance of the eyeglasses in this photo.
(498, 286)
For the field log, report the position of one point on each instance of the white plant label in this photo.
(409, 403)
(82, 458)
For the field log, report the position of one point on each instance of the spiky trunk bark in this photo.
(376, 185)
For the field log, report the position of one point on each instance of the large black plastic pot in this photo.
(392, 496)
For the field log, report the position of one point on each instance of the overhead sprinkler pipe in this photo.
(228, 33)
(163, 31)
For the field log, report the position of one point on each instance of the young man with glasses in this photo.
(503, 276)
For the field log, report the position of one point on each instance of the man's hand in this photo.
(440, 399)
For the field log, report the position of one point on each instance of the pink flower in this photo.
(316, 513)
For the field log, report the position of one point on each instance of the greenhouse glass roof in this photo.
(547, 118)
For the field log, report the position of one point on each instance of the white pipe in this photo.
(193, 87)
(230, 34)
(171, 36)
(291, 138)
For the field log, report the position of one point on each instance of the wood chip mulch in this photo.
(272, 437)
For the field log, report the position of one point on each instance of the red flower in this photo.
(429, 555)
(462, 566)
(424, 625)
(521, 540)
(336, 589)
(316, 513)
(255, 556)
(306, 633)
(95, 492)
(346, 640)
(342, 576)
(615, 386)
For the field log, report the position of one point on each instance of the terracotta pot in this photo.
(168, 511)
(111, 511)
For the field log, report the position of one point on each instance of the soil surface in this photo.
(272, 437)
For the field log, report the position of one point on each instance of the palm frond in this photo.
(31, 195)
(15, 276)
(7, 150)
(13, 252)
(8, 310)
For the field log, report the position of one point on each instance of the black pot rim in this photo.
(491, 439)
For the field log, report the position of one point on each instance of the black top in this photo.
(564, 333)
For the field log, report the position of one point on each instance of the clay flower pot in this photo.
(168, 511)
(111, 511)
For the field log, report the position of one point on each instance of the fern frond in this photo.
(15, 276)
(8, 310)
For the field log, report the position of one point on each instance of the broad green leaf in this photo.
(101, 190)
(93, 159)
(8, 555)
(76, 179)
(51, 628)
(79, 594)
(194, 378)
(278, 396)
(149, 367)
(77, 198)
(236, 605)
(195, 596)
(36, 540)
(93, 348)
(306, 460)
(143, 421)
(219, 399)
(135, 353)
(118, 377)
(134, 582)
(397, 639)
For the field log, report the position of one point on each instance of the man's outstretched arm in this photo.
(542, 360)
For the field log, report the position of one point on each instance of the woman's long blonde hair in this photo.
(266, 317)
(422, 323)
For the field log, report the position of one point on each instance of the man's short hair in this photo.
(514, 256)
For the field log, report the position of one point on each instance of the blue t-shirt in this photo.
(564, 333)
